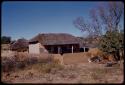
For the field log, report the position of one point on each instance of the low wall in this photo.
(74, 58)
(59, 58)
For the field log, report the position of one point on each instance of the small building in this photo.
(20, 45)
(36, 48)
(57, 43)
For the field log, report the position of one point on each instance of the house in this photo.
(20, 45)
(53, 43)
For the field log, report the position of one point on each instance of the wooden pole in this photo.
(58, 49)
(84, 49)
(72, 48)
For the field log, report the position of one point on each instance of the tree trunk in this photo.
(116, 55)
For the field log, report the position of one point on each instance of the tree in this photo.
(112, 42)
(5, 40)
(104, 22)
(101, 19)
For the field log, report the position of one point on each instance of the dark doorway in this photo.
(86, 49)
(81, 49)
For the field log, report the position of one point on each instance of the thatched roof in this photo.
(55, 39)
(19, 44)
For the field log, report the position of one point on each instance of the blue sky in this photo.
(27, 19)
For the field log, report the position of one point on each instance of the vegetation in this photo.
(112, 42)
(105, 23)
(47, 67)
(5, 39)
(43, 63)
(54, 73)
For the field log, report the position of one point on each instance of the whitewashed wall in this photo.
(34, 48)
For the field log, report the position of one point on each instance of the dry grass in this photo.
(104, 75)
(95, 52)
(44, 69)
(75, 73)
(22, 60)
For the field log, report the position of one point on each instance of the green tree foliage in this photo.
(112, 42)
(5, 40)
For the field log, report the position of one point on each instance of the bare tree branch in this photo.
(102, 19)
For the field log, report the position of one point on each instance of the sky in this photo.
(27, 19)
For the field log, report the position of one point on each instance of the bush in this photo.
(31, 60)
(113, 43)
(44, 64)
(95, 52)
(46, 67)
(8, 64)
(5, 39)
(20, 65)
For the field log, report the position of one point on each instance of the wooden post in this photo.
(72, 48)
(58, 49)
(84, 49)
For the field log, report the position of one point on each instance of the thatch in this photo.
(20, 44)
(55, 39)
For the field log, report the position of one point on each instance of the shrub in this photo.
(20, 61)
(8, 64)
(46, 67)
(95, 52)
(31, 60)
(113, 43)
(20, 65)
